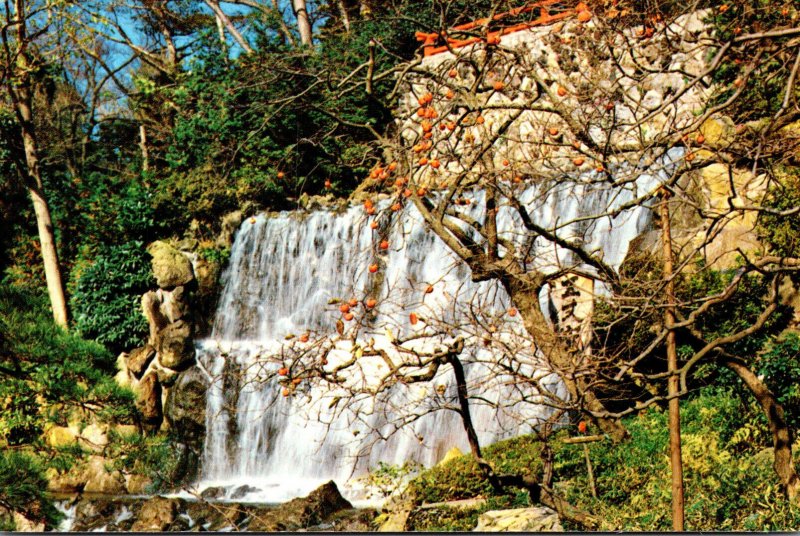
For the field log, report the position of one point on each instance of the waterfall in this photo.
(283, 272)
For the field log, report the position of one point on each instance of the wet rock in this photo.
(170, 267)
(156, 515)
(93, 514)
(535, 519)
(214, 492)
(241, 491)
(230, 223)
(176, 345)
(185, 408)
(139, 358)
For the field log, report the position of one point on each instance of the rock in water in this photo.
(303, 512)
(156, 515)
(535, 519)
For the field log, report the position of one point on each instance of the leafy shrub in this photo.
(729, 484)
(106, 299)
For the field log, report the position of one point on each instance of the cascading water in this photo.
(283, 272)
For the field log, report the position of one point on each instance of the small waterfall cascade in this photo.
(283, 273)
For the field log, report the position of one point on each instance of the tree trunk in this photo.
(673, 386)
(303, 23)
(344, 15)
(20, 93)
(526, 298)
(781, 440)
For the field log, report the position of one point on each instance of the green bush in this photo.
(106, 299)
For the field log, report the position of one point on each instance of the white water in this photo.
(282, 273)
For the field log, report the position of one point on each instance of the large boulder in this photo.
(151, 308)
(175, 304)
(170, 267)
(94, 437)
(535, 519)
(176, 345)
(185, 408)
(60, 436)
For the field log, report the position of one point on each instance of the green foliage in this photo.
(387, 478)
(781, 232)
(105, 302)
(46, 372)
(729, 481)
(444, 519)
(23, 489)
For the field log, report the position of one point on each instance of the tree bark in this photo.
(20, 92)
(303, 22)
(525, 296)
(229, 25)
(781, 439)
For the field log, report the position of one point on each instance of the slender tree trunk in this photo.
(229, 25)
(343, 14)
(673, 386)
(303, 22)
(143, 148)
(781, 440)
(20, 93)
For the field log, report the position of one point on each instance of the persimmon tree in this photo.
(644, 108)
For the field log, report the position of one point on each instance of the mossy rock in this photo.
(461, 478)
(170, 267)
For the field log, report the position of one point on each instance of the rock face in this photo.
(536, 519)
(150, 399)
(176, 345)
(185, 411)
